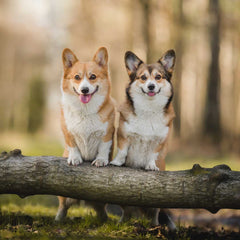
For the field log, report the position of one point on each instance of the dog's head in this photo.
(85, 79)
(150, 81)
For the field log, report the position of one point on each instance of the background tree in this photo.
(212, 107)
(205, 35)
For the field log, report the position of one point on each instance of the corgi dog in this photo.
(87, 115)
(146, 116)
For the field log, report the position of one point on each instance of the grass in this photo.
(37, 222)
(31, 145)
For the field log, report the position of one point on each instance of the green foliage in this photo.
(36, 104)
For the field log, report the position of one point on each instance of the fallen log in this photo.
(208, 188)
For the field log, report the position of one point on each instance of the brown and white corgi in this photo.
(87, 115)
(147, 114)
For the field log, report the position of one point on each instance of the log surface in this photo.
(209, 188)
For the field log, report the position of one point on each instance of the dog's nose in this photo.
(151, 87)
(85, 90)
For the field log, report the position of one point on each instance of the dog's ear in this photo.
(168, 60)
(132, 63)
(68, 58)
(101, 57)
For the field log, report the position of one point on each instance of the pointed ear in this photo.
(101, 57)
(132, 63)
(68, 58)
(168, 60)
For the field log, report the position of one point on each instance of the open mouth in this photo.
(151, 93)
(85, 98)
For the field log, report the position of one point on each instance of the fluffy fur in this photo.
(147, 114)
(87, 115)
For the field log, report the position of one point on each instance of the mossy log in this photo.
(208, 188)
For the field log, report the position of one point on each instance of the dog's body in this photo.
(145, 135)
(146, 116)
(87, 115)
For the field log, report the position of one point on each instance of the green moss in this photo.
(198, 170)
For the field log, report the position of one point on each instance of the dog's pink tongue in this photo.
(151, 94)
(85, 98)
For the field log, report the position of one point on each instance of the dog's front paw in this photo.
(98, 162)
(74, 160)
(74, 157)
(118, 161)
(152, 166)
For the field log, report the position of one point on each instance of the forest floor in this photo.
(37, 222)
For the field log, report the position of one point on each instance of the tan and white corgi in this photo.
(87, 115)
(147, 114)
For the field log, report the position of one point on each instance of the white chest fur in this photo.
(84, 123)
(147, 127)
(145, 132)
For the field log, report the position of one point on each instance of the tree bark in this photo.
(211, 189)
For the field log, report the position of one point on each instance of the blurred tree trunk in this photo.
(147, 28)
(10, 70)
(130, 25)
(179, 47)
(236, 89)
(36, 104)
(212, 109)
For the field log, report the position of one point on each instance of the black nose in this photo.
(151, 87)
(85, 90)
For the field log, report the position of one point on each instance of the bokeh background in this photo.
(205, 35)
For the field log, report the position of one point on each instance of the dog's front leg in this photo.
(120, 159)
(123, 145)
(157, 159)
(151, 164)
(74, 155)
(103, 154)
(105, 146)
(162, 153)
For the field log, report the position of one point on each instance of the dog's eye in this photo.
(158, 77)
(143, 77)
(92, 77)
(77, 77)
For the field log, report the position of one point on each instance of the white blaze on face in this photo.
(85, 84)
(150, 82)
